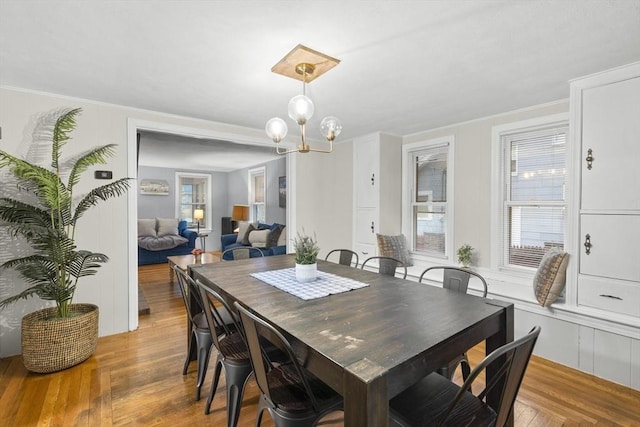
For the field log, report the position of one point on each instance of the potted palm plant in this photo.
(307, 249)
(44, 212)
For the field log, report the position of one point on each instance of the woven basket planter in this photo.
(53, 344)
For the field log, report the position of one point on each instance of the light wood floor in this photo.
(135, 379)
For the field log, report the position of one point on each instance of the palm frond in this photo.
(86, 263)
(105, 192)
(96, 156)
(22, 295)
(65, 124)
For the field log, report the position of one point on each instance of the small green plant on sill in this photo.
(464, 254)
(306, 248)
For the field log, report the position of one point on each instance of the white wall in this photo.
(104, 229)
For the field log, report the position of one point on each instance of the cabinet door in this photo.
(367, 167)
(611, 130)
(367, 226)
(614, 246)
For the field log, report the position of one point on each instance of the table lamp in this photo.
(239, 213)
(198, 214)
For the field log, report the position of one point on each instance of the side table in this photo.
(203, 239)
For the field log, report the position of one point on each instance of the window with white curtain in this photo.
(533, 202)
(427, 196)
(257, 194)
(193, 192)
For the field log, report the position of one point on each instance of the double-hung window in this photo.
(533, 203)
(193, 193)
(257, 194)
(427, 207)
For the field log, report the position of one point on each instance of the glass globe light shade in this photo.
(276, 129)
(300, 109)
(330, 127)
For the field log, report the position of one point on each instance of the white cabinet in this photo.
(606, 128)
(377, 192)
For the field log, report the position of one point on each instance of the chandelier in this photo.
(306, 65)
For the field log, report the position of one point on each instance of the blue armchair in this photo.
(229, 241)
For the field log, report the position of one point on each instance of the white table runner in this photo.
(325, 284)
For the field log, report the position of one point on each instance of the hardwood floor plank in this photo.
(135, 379)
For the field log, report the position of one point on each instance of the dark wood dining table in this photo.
(368, 344)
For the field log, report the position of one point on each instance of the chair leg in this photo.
(236, 377)
(261, 407)
(204, 351)
(214, 386)
(187, 361)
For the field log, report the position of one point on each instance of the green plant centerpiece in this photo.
(45, 213)
(465, 252)
(306, 248)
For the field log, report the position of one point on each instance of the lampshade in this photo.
(330, 127)
(198, 214)
(240, 213)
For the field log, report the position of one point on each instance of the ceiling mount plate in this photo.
(300, 54)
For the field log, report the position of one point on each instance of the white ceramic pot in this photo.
(306, 272)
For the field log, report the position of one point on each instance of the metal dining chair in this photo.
(436, 401)
(456, 279)
(233, 355)
(345, 257)
(243, 252)
(386, 265)
(199, 332)
(289, 392)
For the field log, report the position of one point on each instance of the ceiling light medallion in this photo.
(306, 65)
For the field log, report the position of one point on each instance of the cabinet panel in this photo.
(365, 251)
(366, 226)
(612, 357)
(614, 246)
(367, 172)
(609, 294)
(611, 130)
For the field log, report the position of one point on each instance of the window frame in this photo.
(408, 190)
(498, 186)
(262, 170)
(207, 225)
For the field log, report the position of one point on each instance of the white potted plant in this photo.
(44, 213)
(307, 249)
(465, 252)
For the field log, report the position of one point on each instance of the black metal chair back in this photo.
(346, 257)
(233, 355)
(291, 394)
(386, 265)
(437, 401)
(457, 279)
(200, 336)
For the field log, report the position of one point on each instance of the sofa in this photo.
(159, 238)
(271, 239)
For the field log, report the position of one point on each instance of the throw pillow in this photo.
(282, 240)
(247, 233)
(242, 230)
(147, 227)
(167, 226)
(394, 247)
(551, 276)
(273, 236)
(258, 238)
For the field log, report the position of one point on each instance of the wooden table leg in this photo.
(365, 404)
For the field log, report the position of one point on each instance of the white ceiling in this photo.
(407, 66)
